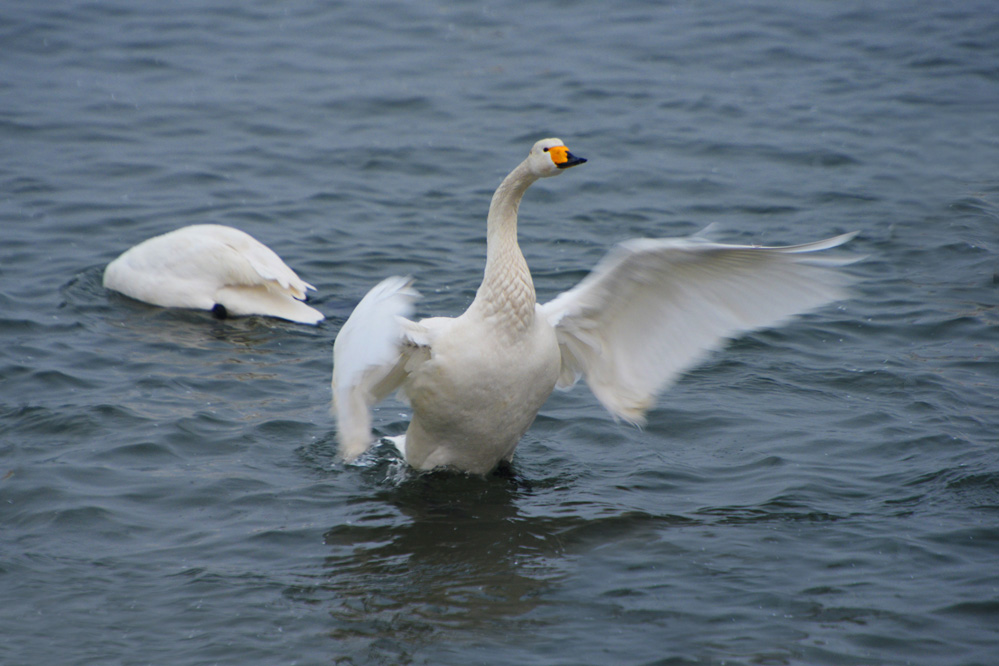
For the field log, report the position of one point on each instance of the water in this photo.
(825, 493)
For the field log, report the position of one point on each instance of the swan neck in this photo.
(507, 291)
(506, 202)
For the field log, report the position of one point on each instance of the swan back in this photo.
(202, 266)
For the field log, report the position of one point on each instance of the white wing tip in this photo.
(312, 317)
(631, 410)
(826, 244)
(351, 448)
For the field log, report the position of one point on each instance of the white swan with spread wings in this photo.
(648, 312)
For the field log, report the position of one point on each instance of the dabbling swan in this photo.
(650, 310)
(211, 267)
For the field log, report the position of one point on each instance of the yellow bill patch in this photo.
(560, 154)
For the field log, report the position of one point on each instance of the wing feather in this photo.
(653, 308)
(369, 358)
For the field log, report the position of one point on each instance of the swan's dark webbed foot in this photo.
(219, 311)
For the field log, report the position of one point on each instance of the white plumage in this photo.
(208, 267)
(648, 312)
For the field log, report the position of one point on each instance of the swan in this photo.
(211, 267)
(650, 310)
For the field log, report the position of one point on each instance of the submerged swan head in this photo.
(549, 157)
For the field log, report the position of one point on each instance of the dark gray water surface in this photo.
(825, 493)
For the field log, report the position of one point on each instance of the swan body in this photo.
(211, 267)
(649, 311)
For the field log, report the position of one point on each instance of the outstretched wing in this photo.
(369, 358)
(653, 308)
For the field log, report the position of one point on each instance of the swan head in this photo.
(550, 157)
